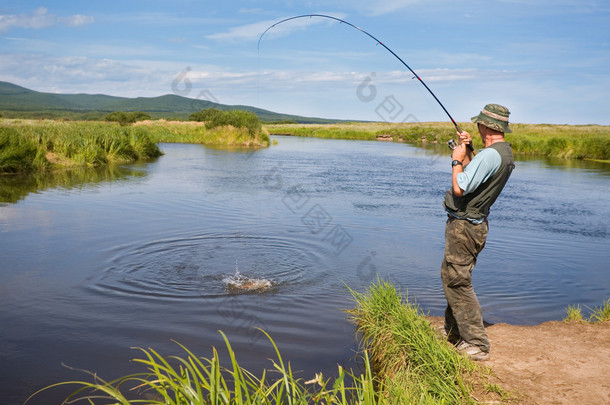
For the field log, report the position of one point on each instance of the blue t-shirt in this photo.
(484, 165)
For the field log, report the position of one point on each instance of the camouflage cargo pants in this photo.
(463, 316)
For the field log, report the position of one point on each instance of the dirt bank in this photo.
(552, 363)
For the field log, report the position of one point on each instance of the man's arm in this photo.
(466, 139)
(484, 165)
(459, 154)
(464, 155)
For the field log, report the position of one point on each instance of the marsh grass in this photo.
(411, 363)
(563, 141)
(17, 153)
(193, 380)
(28, 144)
(197, 132)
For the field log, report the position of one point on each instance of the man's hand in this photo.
(465, 137)
(459, 153)
(466, 144)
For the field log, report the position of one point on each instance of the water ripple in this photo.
(196, 266)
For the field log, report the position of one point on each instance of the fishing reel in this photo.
(453, 144)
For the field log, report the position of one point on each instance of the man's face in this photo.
(482, 131)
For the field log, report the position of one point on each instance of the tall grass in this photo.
(17, 154)
(26, 145)
(412, 365)
(199, 132)
(193, 380)
(564, 141)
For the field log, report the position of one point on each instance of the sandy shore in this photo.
(551, 363)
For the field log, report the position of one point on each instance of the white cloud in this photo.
(252, 32)
(243, 32)
(329, 93)
(39, 19)
(77, 20)
(381, 7)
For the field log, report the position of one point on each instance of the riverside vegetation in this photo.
(31, 145)
(562, 141)
(27, 145)
(404, 361)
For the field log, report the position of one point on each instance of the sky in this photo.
(546, 60)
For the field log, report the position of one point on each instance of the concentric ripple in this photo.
(200, 265)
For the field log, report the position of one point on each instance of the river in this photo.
(97, 262)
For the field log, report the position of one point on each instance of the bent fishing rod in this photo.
(378, 42)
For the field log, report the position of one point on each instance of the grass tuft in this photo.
(601, 313)
(574, 314)
(410, 362)
(598, 314)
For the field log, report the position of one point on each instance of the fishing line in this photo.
(416, 76)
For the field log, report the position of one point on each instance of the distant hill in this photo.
(17, 101)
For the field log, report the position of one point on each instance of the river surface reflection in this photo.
(139, 255)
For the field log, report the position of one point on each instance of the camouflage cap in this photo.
(494, 116)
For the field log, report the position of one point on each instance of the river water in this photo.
(96, 262)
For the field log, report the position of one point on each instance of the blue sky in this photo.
(547, 61)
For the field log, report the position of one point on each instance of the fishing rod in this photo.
(378, 42)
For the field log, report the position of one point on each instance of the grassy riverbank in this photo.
(27, 145)
(411, 362)
(38, 145)
(408, 364)
(196, 132)
(564, 141)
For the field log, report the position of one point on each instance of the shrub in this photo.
(214, 118)
(126, 118)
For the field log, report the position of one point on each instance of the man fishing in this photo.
(476, 184)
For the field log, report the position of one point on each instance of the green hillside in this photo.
(20, 102)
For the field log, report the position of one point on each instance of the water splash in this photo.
(238, 282)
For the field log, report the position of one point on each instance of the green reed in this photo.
(190, 379)
(27, 145)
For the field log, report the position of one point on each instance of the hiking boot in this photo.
(472, 351)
